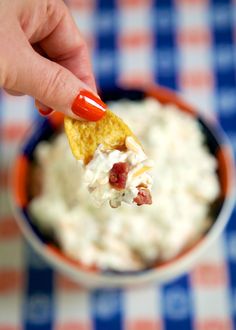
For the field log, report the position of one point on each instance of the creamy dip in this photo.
(130, 237)
(97, 171)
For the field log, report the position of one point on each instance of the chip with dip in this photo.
(114, 161)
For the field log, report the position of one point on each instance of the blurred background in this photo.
(189, 46)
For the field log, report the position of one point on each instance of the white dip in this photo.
(97, 174)
(131, 237)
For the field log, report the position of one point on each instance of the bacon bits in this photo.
(118, 175)
(143, 197)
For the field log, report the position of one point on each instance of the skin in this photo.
(43, 54)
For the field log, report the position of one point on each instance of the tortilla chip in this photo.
(84, 137)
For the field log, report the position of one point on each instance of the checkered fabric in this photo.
(187, 45)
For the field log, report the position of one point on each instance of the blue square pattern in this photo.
(164, 45)
(227, 101)
(38, 308)
(104, 63)
(225, 79)
(230, 244)
(106, 41)
(163, 4)
(221, 15)
(224, 57)
(222, 21)
(106, 22)
(222, 18)
(104, 5)
(224, 63)
(177, 304)
(232, 136)
(106, 68)
(165, 62)
(107, 310)
(163, 20)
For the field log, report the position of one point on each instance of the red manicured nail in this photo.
(45, 112)
(87, 106)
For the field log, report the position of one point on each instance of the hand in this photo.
(42, 54)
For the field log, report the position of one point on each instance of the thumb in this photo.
(57, 88)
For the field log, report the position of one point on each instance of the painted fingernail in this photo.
(45, 112)
(87, 106)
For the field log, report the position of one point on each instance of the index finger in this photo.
(66, 46)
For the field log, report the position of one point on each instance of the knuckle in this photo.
(50, 8)
(2, 79)
(8, 79)
(55, 8)
(54, 83)
(3, 70)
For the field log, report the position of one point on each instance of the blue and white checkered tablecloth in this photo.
(187, 45)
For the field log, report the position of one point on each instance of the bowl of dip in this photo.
(193, 195)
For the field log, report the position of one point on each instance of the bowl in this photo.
(218, 145)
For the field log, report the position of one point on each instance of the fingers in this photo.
(56, 87)
(65, 46)
(60, 77)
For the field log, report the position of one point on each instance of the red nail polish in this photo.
(45, 112)
(87, 106)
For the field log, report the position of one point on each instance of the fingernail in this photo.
(88, 106)
(45, 112)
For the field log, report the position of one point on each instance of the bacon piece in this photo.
(143, 197)
(118, 175)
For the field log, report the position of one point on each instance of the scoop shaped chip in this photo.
(84, 137)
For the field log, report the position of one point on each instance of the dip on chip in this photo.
(115, 164)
